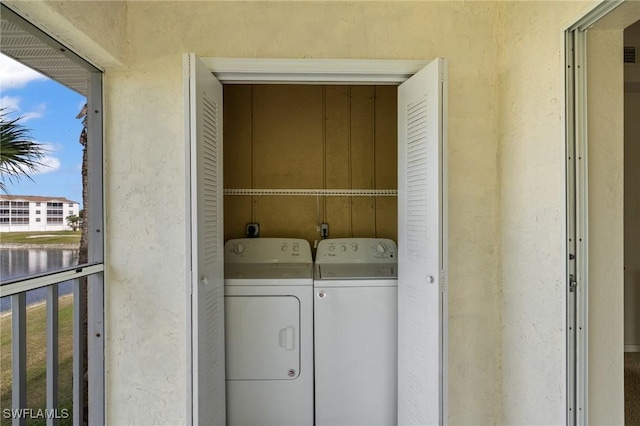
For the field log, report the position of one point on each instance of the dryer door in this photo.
(262, 337)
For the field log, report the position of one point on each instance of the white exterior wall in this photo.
(37, 226)
(146, 297)
(38, 212)
(533, 215)
(42, 225)
(506, 182)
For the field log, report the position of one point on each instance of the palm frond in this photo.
(20, 155)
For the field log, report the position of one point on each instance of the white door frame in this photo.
(313, 71)
(577, 238)
(319, 71)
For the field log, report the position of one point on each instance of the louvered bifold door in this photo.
(206, 235)
(422, 281)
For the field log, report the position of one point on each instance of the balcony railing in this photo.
(88, 278)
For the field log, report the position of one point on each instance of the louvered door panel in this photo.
(210, 181)
(417, 180)
(207, 267)
(421, 248)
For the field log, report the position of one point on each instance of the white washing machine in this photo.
(269, 331)
(355, 325)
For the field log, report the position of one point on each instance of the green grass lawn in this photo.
(36, 360)
(46, 237)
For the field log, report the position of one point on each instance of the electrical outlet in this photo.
(253, 230)
(324, 230)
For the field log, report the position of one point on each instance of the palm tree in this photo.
(20, 155)
(73, 221)
(84, 257)
(84, 243)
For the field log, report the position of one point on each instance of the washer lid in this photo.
(357, 271)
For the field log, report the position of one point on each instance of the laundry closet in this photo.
(279, 136)
(366, 160)
(280, 139)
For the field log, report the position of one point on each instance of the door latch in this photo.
(572, 283)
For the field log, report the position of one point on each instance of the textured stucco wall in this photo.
(158, 35)
(506, 181)
(145, 310)
(606, 201)
(532, 213)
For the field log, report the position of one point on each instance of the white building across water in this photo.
(26, 213)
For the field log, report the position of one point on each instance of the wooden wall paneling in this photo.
(305, 136)
(237, 213)
(337, 210)
(361, 140)
(386, 137)
(386, 160)
(387, 217)
(337, 123)
(363, 221)
(288, 140)
(238, 155)
(338, 216)
(362, 159)
(287, 216)
(238, 133)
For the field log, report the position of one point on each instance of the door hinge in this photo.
(442, 282)
(572, 283)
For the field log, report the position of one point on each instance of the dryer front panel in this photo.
(262, 337)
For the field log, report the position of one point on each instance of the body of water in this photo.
(22, 262)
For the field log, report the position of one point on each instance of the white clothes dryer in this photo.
(269, 331)
(355, 325)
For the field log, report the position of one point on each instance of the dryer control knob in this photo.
(381, 249)
(239, 248)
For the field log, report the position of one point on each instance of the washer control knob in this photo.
(381, 249)
(343, 248)
(296, 247)
(332, 248)
(284, 247)
(239, 248)
(354, 246)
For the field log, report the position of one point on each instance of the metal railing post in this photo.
(78, 353)
(52, 352)
(19, 355)
(95, 347)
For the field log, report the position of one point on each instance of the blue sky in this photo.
(49, 110)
